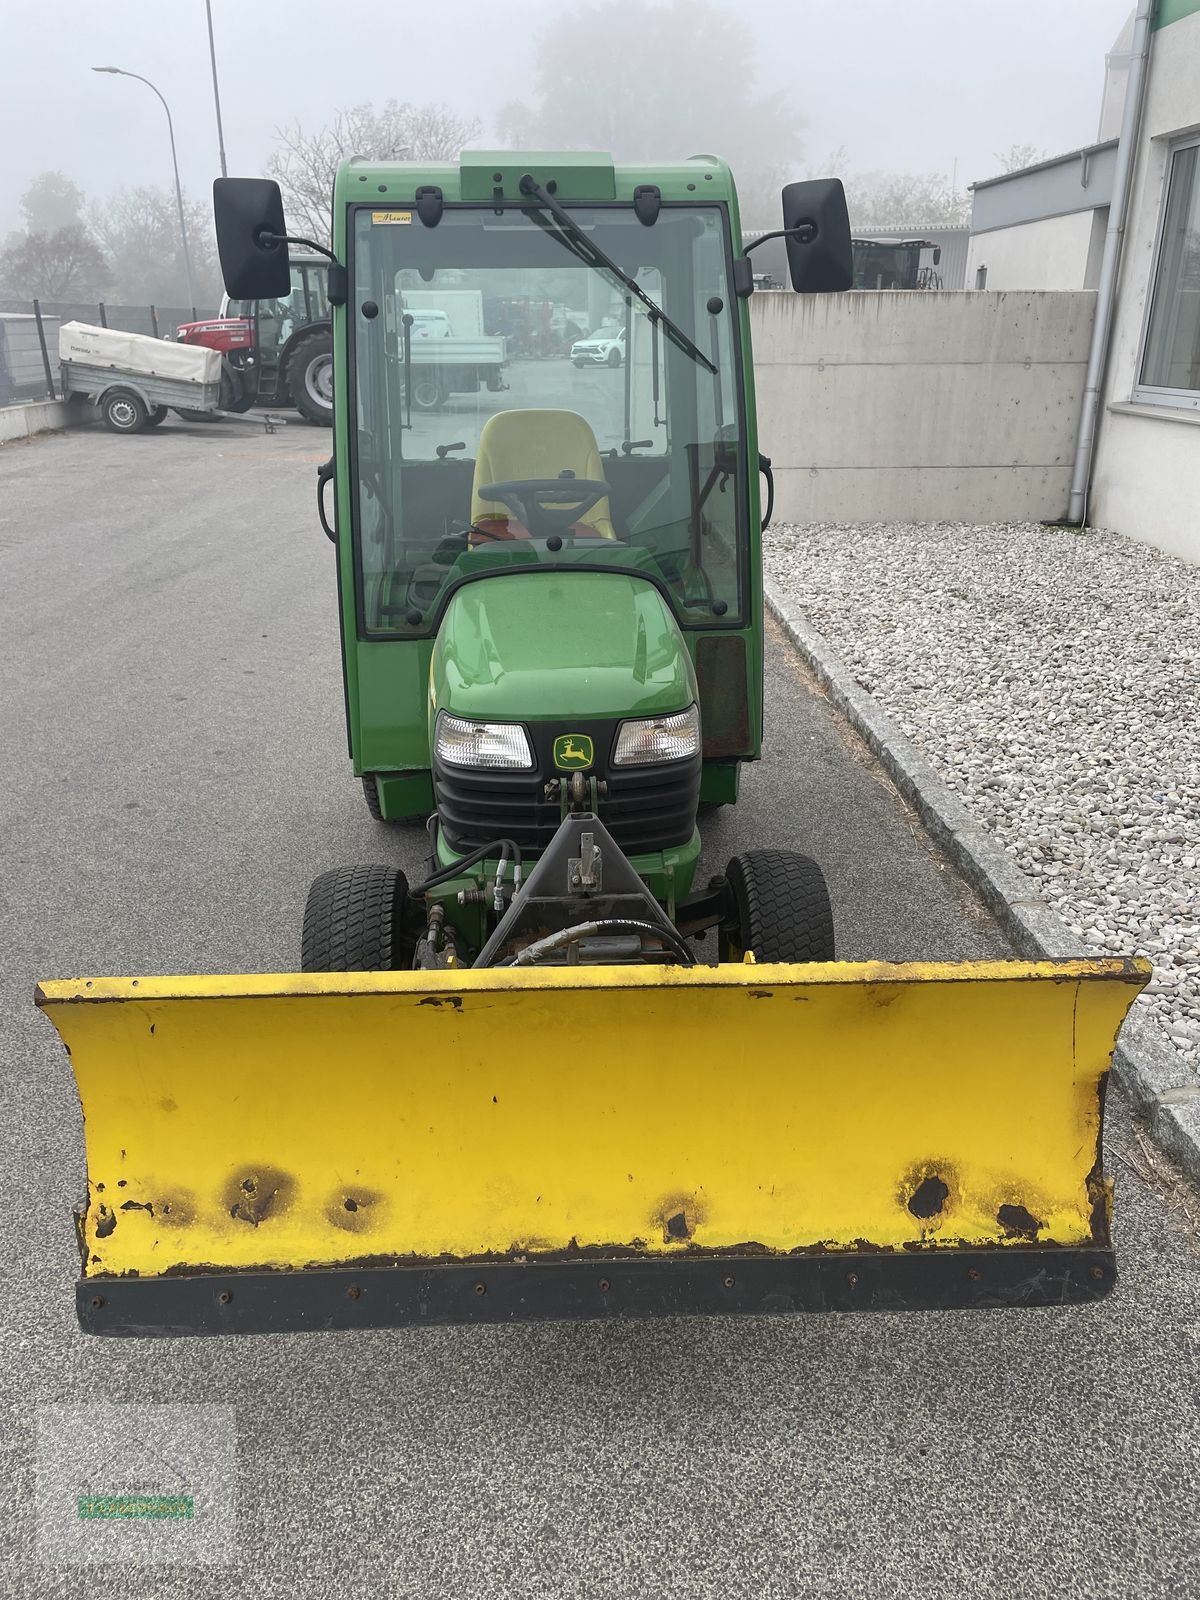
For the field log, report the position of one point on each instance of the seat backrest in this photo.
(537, 444)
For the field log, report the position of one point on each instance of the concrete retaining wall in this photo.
(920, 406)
(42, 416)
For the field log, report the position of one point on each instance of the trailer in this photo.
(435, 369)
(134, 380)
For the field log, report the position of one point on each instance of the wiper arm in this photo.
(590, 252)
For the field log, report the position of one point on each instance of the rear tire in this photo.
(357, 920)
(428, 393)
(309, 377)
(371, 796)
(159, 414)
(123, 411)
(782, 908)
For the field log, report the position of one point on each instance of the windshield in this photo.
(464, 443)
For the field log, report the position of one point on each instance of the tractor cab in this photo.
(550, 583)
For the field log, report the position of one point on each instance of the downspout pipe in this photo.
(1110, 264)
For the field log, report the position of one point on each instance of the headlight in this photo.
(672, 738)
(482, 744)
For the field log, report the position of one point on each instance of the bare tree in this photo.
(905, 200)
(1018, 156)
(67, 264)
(306, 161)
(139, 230)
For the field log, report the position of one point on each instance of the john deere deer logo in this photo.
(572, 751)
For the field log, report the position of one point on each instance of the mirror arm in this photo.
(807, 228)
(339, 284)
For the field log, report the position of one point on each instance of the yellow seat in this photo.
(536, 444)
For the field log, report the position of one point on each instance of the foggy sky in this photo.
(905, 85)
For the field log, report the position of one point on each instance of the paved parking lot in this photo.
(174, 774)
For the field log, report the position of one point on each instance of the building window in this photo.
(1170, 372)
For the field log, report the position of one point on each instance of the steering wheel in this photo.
(546, 506)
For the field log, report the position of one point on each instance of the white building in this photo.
(1046, 228)
(1043, 227)
(1146, 472)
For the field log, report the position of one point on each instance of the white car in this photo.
(603, 348)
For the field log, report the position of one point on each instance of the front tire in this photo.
(614, 358)
(357, 919)
(123, 411)
(234, 395)
(309, 377)
(781, 909)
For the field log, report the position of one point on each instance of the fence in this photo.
(29, 338)
(920, 406)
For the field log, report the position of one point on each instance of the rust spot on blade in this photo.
(928, 1198)
(177, 1210)
(678, 1217)
(1018, 1222)
(929, 1190)
(255, 1193)
(355, 1210)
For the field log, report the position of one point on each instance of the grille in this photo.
(646, 808)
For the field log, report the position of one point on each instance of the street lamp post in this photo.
(187, 258)
(212, 55)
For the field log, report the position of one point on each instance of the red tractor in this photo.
(280, 352)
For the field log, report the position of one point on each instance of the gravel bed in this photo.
(1051, 677)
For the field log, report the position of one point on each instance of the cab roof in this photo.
(570, 175)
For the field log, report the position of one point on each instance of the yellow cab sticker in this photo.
(391, 216)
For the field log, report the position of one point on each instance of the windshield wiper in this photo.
(591, 254)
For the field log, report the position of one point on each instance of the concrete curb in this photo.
(1160, 1086)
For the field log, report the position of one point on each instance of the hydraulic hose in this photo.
(508, 849)
(533, 953)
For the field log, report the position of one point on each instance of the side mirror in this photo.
(937, 255)
(820, 260)
(250, 238)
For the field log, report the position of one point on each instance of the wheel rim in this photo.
(123, 413)
(425, 394)
(318, 380)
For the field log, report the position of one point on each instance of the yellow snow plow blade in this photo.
(346, 1150)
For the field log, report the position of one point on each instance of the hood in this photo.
(541, 646)
(216, 332)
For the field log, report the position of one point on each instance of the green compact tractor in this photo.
(551, 595)
(513, 1091)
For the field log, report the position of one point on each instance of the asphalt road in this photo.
(173, 776)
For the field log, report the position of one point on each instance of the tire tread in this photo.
(783, 906)
(353, 921)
